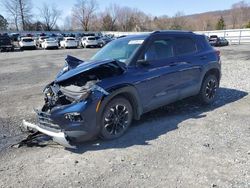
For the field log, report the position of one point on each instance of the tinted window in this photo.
(185, 45)
(27, 40)
(160, 49)
(91, 38)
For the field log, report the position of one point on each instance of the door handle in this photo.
(203, 57)
(180, 63)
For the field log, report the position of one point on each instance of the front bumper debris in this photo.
(58, 137)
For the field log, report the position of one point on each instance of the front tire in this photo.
(209, 89)
(116, 118)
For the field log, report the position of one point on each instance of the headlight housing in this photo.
(74, 117)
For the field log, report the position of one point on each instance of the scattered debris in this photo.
(213, 185)
(34, 139)
(206, 145)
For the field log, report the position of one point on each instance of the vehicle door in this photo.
(189, 64)
(158, 78)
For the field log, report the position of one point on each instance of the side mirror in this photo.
(148, 56)
(143, 62)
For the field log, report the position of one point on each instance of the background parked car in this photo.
(40, 40)
(14, 36)
(90, 42)
(214, 40)
(102, 41)
(222, 42)
(50, 43)
(59, 39)
(27, 43)
(68, 42)
(6, 43)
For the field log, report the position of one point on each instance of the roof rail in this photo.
(171, 31)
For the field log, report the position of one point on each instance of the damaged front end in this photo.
(69, 114)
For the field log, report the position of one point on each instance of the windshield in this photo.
(120, 49)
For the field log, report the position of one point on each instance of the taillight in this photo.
(218, 53)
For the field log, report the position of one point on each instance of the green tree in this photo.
(3, 23)
(248, 25)
(221, 24)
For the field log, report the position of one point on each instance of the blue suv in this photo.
(127, 78)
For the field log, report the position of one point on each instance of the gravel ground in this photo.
(181, 145)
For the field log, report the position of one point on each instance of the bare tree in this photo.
(20, 11)
(11, 7)
(162, 23)
(67, 25)
(240, 14)
(109, 17)
(178, 21)
(25, 8)
(234, 17)
(83, 12)
(49, 15)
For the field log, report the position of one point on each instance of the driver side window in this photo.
(159, 49)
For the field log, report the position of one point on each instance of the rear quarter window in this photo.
(185, 45)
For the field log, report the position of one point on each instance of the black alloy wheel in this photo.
(116, 118)
(209, 89)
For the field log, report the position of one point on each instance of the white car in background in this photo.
(27, 43)
(69, 42)
(90, 42)
(49, 43)
(40, 40)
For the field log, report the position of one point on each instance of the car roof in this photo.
(145, 35)
(26, 38)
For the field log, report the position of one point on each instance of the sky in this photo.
(152, 7)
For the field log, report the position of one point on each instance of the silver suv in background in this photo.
(90, 41)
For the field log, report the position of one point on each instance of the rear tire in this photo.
(116, 118)
(208, 90)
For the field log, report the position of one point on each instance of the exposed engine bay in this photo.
(80, 86)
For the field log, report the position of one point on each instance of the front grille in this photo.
(45, 121)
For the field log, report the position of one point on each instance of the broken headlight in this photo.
(74, 117)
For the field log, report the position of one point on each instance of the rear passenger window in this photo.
(160, 49)
(185, 45)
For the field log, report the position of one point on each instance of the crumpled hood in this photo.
(85, 66)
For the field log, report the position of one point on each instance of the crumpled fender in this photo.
(70, 63)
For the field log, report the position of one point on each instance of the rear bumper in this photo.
(28, 47)
(51, 46)
(58, 137)
(68, 45)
